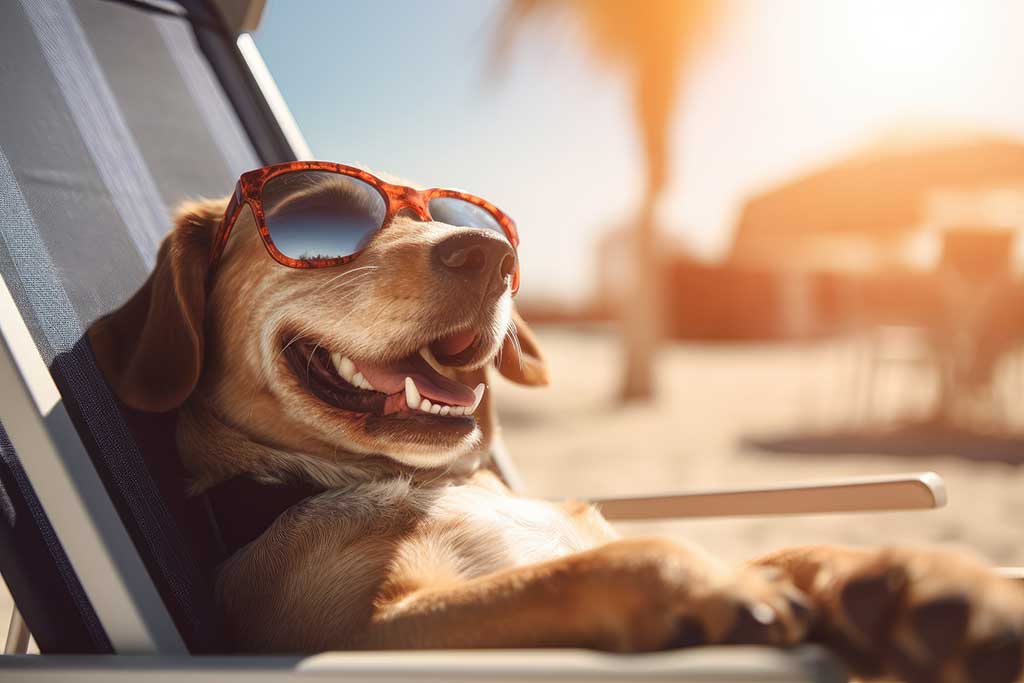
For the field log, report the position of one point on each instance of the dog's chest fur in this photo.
(472, 527)
(496, 530)
(366, 545)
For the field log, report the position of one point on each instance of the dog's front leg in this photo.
(635, 595)
(918, 614)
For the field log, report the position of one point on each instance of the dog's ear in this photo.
(151, 349)
(522, 362)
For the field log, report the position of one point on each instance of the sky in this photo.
(409, 88)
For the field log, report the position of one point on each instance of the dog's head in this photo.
(384, 355)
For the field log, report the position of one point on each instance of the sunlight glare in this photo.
(919, 55)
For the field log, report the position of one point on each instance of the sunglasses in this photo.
(317, 214)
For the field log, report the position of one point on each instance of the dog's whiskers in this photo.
(298, 335)
(515, 341)
(264, 376)
(497, 358)
(305, 329)
(361, 270)
(310, 361)
(443, 473)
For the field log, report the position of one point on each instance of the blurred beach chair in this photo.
(112, 112)
(976, 270)
(893, 362)
(957, 348)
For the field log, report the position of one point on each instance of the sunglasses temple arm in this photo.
(220, 239)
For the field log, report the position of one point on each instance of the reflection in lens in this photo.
(459, 212)
(319, 214)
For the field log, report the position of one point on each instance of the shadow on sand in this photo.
(906, 440)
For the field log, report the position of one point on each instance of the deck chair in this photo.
(111, 111)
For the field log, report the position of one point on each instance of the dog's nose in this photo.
(477, 257)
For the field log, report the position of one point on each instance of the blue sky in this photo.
(405, 87)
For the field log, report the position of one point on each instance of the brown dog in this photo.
(286, 375)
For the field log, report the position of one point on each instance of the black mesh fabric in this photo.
(110, 114)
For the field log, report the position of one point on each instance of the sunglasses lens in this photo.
(319, 214)
(460, 213)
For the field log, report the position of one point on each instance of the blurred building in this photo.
(911, 230)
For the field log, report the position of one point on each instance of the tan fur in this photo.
(416, 543)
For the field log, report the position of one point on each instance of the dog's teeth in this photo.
(445, 410)
(435, 409)
(412, 394)
(428, 356)
(347, 368)
(458, 410)
(338, 363)
(360, 381)
(479, 393)
(425, 406)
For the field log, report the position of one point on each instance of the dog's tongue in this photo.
(431, 384)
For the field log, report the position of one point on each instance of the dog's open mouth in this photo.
(411, 386)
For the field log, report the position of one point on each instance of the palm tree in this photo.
(651, 40)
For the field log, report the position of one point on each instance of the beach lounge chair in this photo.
(111, 111)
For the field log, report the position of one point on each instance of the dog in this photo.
(411, 538)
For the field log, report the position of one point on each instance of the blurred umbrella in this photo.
(651, 40)
(881, 192)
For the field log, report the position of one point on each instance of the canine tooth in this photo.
(347, 368)
(435, 409)
(428, 356)
(425, 406)
(479, 393)
(445, 410)
(412, 394)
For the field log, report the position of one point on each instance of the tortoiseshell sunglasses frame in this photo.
(249, 191)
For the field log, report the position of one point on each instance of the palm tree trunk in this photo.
(642, 316)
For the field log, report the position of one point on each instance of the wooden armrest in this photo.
(856, 494)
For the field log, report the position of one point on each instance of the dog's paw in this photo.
(923, 616)
(756, 606)
(671, 598)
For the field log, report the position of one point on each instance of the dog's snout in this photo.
(477, 257)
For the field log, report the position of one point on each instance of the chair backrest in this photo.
(110, 114)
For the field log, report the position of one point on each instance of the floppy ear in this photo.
(151, 349)
(523, 363)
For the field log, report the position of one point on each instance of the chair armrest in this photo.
(856, 494)
(804, 664)
(1012, 573)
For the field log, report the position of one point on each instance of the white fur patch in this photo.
(497, 528)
